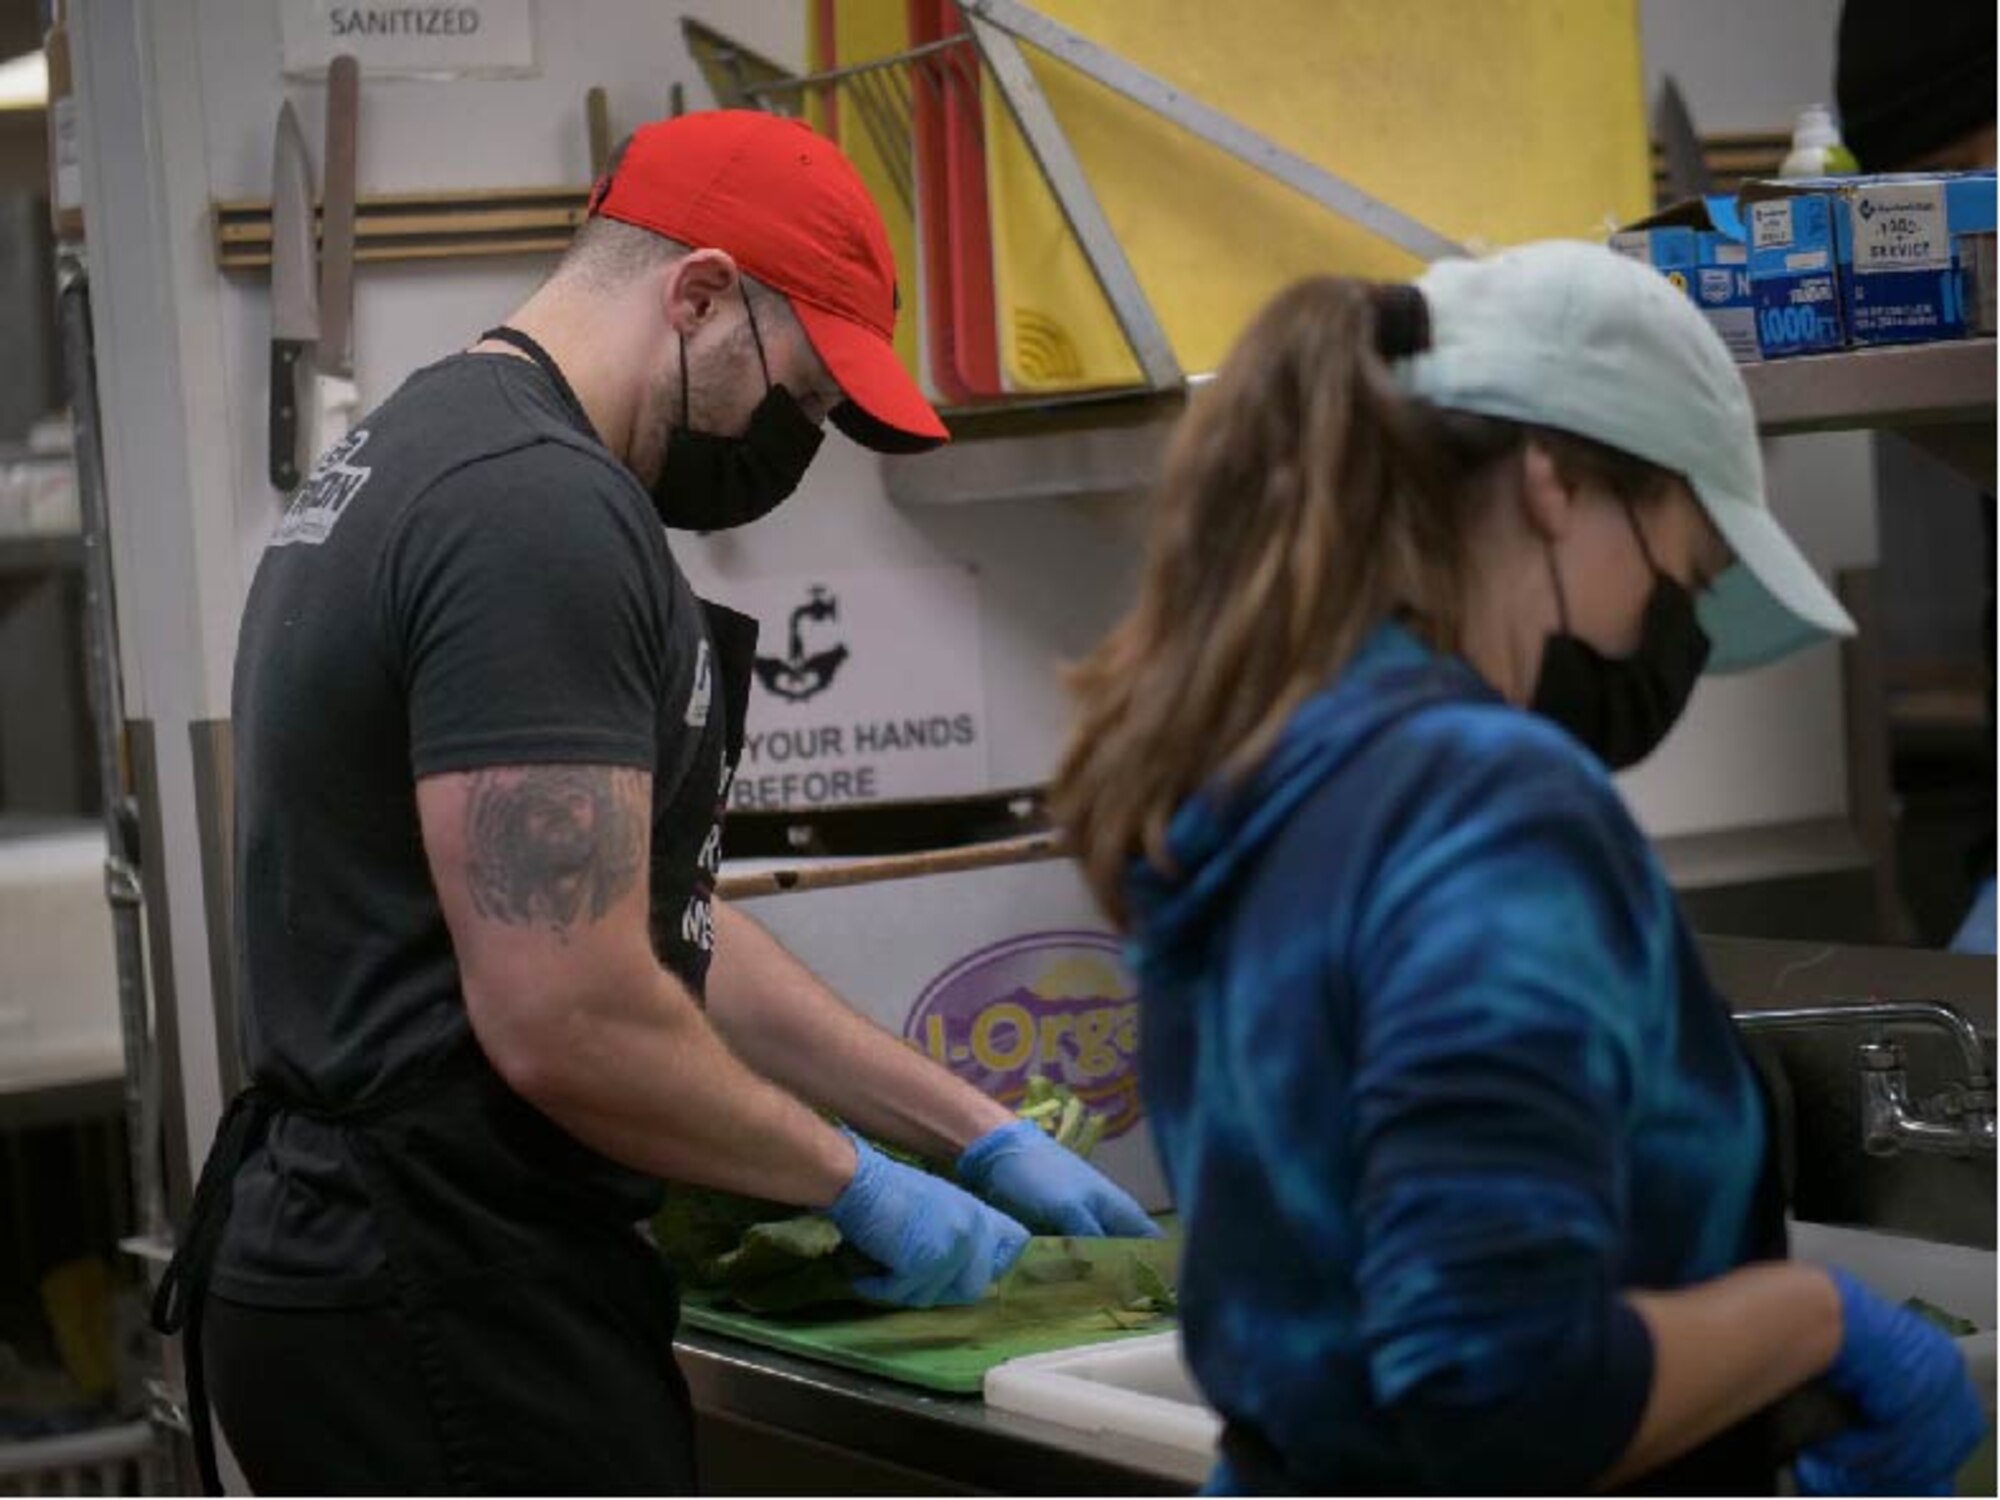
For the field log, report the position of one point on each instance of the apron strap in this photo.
(183, 1289)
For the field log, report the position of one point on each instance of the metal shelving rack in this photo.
(1910, 385)
(1939, 395)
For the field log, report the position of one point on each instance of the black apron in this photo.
(500, 1273)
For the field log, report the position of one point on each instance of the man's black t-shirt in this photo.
(469, 579)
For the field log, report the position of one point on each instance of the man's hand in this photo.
(1049, 1187)
(940, 1245)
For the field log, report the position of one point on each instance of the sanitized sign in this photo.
(868, 688)
(486, 38)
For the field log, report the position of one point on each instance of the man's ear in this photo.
(1548, 501)
(694, 286)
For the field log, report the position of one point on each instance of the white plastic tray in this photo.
(1137, 1391)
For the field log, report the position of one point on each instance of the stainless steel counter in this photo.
(775, 1424)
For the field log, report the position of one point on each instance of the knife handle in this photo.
(285, 356)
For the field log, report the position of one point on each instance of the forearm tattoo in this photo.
(554, 846)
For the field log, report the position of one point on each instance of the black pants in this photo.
(503, 1391)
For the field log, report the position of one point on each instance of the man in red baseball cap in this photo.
(792, 212)
(484, 734)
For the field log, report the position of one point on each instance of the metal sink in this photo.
(1140, 1392)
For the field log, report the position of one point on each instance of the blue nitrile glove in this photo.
(1020, 1168)
(1920, 1418)
(939, 1245)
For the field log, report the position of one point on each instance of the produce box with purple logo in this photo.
(1001, 974)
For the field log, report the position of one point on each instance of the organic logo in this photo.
(798, 675)
(1061, 1004)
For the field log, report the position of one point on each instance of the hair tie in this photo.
(1402, 320)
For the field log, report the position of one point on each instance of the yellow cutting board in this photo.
(1492, 121)
(864, 29)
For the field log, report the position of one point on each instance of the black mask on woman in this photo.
(710, 482)
(1622, 707)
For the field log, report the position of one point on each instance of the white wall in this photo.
(1741, 64)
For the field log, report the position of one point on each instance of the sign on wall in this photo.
(1059, 1004)
(998, 974)
(490, 38)
(868, 688)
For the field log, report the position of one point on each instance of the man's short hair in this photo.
(606, 254)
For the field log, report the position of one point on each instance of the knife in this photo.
(294, 298)
(1687, 165)
(333, 383)
(597, 110)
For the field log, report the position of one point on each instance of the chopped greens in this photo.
(1950, 1322)
(768, 1258)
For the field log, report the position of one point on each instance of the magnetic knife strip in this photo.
(418, 226)
(540, 221)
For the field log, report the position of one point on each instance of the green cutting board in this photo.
(950, 1349)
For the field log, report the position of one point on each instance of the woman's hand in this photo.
(1920, 1416)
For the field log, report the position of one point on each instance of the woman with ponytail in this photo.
(1475, 1173)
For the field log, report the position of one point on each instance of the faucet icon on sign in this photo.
(797, 677)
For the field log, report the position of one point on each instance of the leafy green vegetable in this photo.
(1950, 1322)
(769, 1258)
(1153, 1287)
(1048, 1270)
(1061, 1114)
(1128, 1319)
(697, 1226)
(773, 1249)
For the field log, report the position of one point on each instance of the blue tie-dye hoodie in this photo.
(1435, 1071)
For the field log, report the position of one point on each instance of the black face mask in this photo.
(710, 482)
(1622, 707)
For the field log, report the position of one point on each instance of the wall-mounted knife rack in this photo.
(540, 221)
(418, 226)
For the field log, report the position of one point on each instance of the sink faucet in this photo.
(1958, 1122)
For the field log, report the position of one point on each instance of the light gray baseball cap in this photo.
(1574, 336)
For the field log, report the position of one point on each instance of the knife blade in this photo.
(334, 387)
(294, 297)
(1687, 165)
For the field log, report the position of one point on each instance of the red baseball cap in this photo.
(791, 210)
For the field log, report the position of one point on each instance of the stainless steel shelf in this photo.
(1909, 386)
(1941, 395)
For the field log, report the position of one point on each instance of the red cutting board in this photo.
(975, 343)
(927, 130)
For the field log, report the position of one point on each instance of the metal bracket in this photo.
(121, 884)
(1079, 204)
